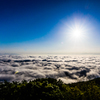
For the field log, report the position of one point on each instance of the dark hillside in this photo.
(50, 89)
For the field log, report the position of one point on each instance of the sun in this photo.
(77, 32)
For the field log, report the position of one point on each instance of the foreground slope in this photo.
(50, 89)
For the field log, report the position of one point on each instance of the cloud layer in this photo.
(67, 68)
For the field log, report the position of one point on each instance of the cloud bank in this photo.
(67, 68)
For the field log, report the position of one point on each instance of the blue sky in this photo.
(45, 26)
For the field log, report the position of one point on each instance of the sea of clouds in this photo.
(67, 68)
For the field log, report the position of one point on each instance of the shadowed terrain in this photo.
(50, 89)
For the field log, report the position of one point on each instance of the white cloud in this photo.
(67, 68)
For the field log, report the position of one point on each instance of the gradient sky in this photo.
(45, 26)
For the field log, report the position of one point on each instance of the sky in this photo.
(49, 26)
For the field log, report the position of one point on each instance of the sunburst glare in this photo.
(77, 32)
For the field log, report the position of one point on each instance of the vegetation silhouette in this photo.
(50, 89)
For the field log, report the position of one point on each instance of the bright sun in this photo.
(77, 32)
